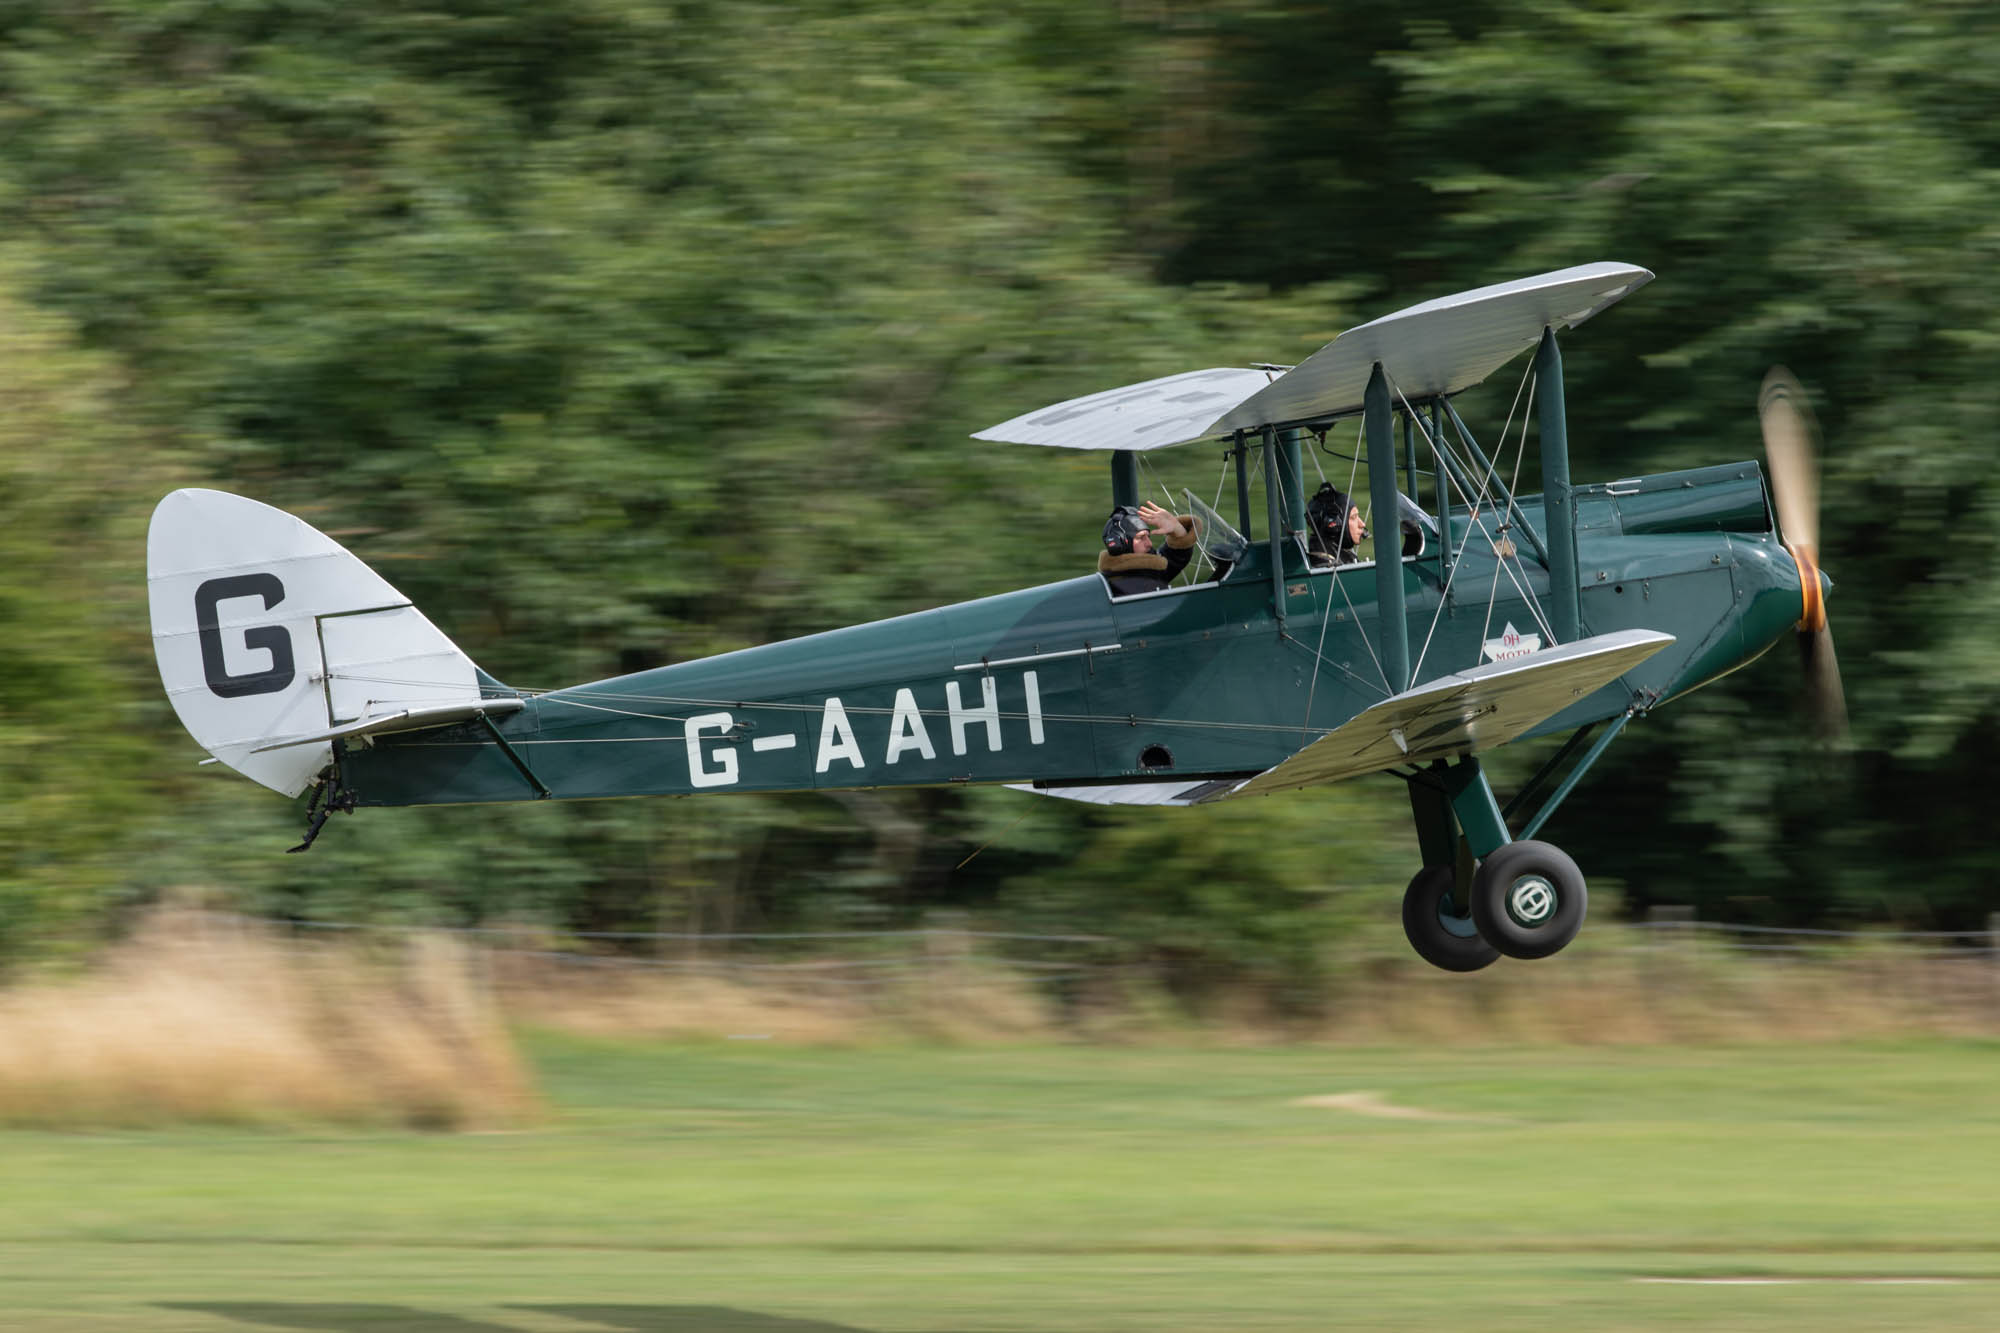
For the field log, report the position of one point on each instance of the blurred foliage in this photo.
(617, 333)
(79, 732)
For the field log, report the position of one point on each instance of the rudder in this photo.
(268, 633)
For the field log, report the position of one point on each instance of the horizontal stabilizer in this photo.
(406, 719)
(1460, 714)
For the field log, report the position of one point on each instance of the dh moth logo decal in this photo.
(1511, 643)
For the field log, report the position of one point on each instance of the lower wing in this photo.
(1463, 713)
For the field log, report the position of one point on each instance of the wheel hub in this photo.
(1454, 922)
(1532, 900)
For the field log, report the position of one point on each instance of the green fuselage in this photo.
(1064, 684)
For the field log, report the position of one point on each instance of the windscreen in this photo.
(1219, 541)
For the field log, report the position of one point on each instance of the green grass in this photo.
(746, 1186)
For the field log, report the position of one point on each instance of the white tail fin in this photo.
(270, 634)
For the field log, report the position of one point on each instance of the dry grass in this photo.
(953, 999)
(1674, 990)
(208, 1019)
(213, 1019)
(1610, 989)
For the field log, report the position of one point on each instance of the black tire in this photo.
(1529, 899)
(1441, 937)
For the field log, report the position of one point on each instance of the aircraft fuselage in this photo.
(1064, 684)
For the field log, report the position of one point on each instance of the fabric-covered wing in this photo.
(1439, 347)
(1436, 347)
(1463, 713)
(1152, 415)
(1181, 792)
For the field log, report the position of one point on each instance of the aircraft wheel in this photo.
(1528, 899)
(1440, 936)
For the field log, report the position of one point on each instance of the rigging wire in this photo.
(1492, 597)
(1444, 536)
(1488, 478)
(1513, 489)
(1361, 681)
(1319, 656)
(1380, 670)
(1513, 510)
(1173, 507)
(862, 710)
(1500, 557)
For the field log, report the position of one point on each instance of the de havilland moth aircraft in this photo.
(1273, 667)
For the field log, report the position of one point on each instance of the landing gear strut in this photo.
(1527, 899)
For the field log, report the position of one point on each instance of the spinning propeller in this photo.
(1789, 431)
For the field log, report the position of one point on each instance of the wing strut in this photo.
(1575, 776)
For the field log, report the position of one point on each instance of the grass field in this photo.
(755, 1188)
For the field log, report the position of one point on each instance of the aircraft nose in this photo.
(1813, 587)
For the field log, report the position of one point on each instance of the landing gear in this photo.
(1439, 929)
(1528, 899)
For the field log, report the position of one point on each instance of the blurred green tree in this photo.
(617, 333)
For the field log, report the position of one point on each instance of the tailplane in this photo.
(273, 641)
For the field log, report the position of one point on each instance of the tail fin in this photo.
(272, 639)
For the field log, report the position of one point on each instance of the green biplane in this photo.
(1504, 616)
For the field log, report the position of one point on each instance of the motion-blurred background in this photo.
(616, 333)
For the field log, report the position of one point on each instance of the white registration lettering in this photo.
(1034, 707)
(962, 717)
(906, 730)
(724, 772)
(836, 738)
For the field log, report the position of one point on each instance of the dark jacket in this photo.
(1135, 573)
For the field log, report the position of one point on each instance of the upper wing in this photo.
(1151, 415)
(1463, 713)
(1440, 347)
(1436, 347)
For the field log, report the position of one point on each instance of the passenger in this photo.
(1129, 562)
(1334, 527)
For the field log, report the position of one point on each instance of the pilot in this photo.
(1334, 527)
(1129, 561)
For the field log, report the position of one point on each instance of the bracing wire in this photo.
(1488, 479)
(1514, 488)
(861, 710)
(1520, 581)
(1319, 656)
(1444, 535)
(1473, 508)
(1362, 681)
(1173, 507)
